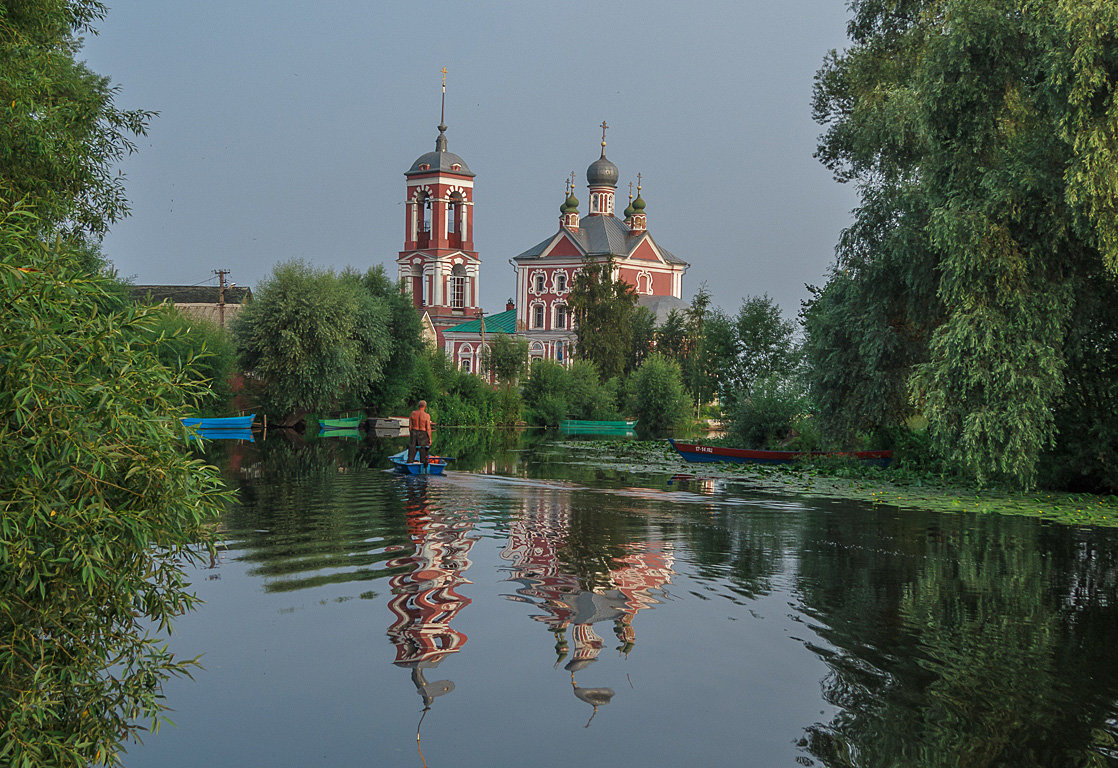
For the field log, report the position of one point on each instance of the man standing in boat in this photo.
(419, 427)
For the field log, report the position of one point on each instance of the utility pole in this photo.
(221, 273)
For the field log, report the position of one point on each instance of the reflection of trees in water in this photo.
(307, 515)
(746, 549)
(985, 641)
(580, 570)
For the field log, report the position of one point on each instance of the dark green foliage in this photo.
(587, 396)
(553, 393)
(984, 137)
(60, 132)
(458, 398)
(404, 338)
(671, 337)
(643, 323)
(506, 358)
(183, 341)
(770, 413)
(603, 309)
(100, 505)
(656, 395)
(545, 393)
(314, 340)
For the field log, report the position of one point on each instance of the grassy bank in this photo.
(837, 479)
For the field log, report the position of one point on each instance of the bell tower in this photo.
(438, 264)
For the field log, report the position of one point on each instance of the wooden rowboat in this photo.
(706, 454)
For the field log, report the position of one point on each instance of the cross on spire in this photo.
(604, 126)
(639, 184)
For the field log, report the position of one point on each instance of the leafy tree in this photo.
(984, 135)
(313, 339)
(643, 323)
(506, 358)
(657, 397)
(60, 131)
(671, 337)
(768, 412)
(545, 393)
(720, 346)
(181, 341)
(404, 336)
(586, 395)
(100, 505)
(603, 309)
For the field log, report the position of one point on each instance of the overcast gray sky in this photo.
(285, 128)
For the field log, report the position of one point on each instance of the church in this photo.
(441, 269)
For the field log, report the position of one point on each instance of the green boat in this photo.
(345, 422)
(580, 427)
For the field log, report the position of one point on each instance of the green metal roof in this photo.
(502, 322)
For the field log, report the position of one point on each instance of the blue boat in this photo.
(224, 434)
(221, 422)
(434, 466)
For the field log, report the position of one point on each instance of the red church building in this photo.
(441, 270)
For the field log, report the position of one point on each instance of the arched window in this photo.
(540, 282)
(644, 283)
(455, 213)
(458, 287)
(423, 218)
(466, 358)
(561, 316)
(537, 316)
(536, 351)
(560, 282)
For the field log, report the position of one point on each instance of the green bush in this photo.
(183, 341)
(766, 414)
(656, 395)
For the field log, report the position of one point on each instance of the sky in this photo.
(285, 128)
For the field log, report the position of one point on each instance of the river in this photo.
(540, 606)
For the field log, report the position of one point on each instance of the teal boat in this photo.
(345, 422)
(224, 422)
(580, 427)
(350, 434)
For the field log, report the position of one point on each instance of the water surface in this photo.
(536, 607)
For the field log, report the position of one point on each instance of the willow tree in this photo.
(101, 504)
(983, 135)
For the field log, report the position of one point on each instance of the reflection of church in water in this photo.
(572, 603)
(426, 599)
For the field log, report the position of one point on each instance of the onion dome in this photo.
(440, 159)
(629, 210)
(638, 204)
(572, 203)
(602, 173)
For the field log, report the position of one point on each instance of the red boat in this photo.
(707, 454)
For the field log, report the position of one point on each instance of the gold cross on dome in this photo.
(639, 183)
(444, 77)
(604, 126)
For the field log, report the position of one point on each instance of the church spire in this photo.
(440, 142)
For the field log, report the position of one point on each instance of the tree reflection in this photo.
(969, 644)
